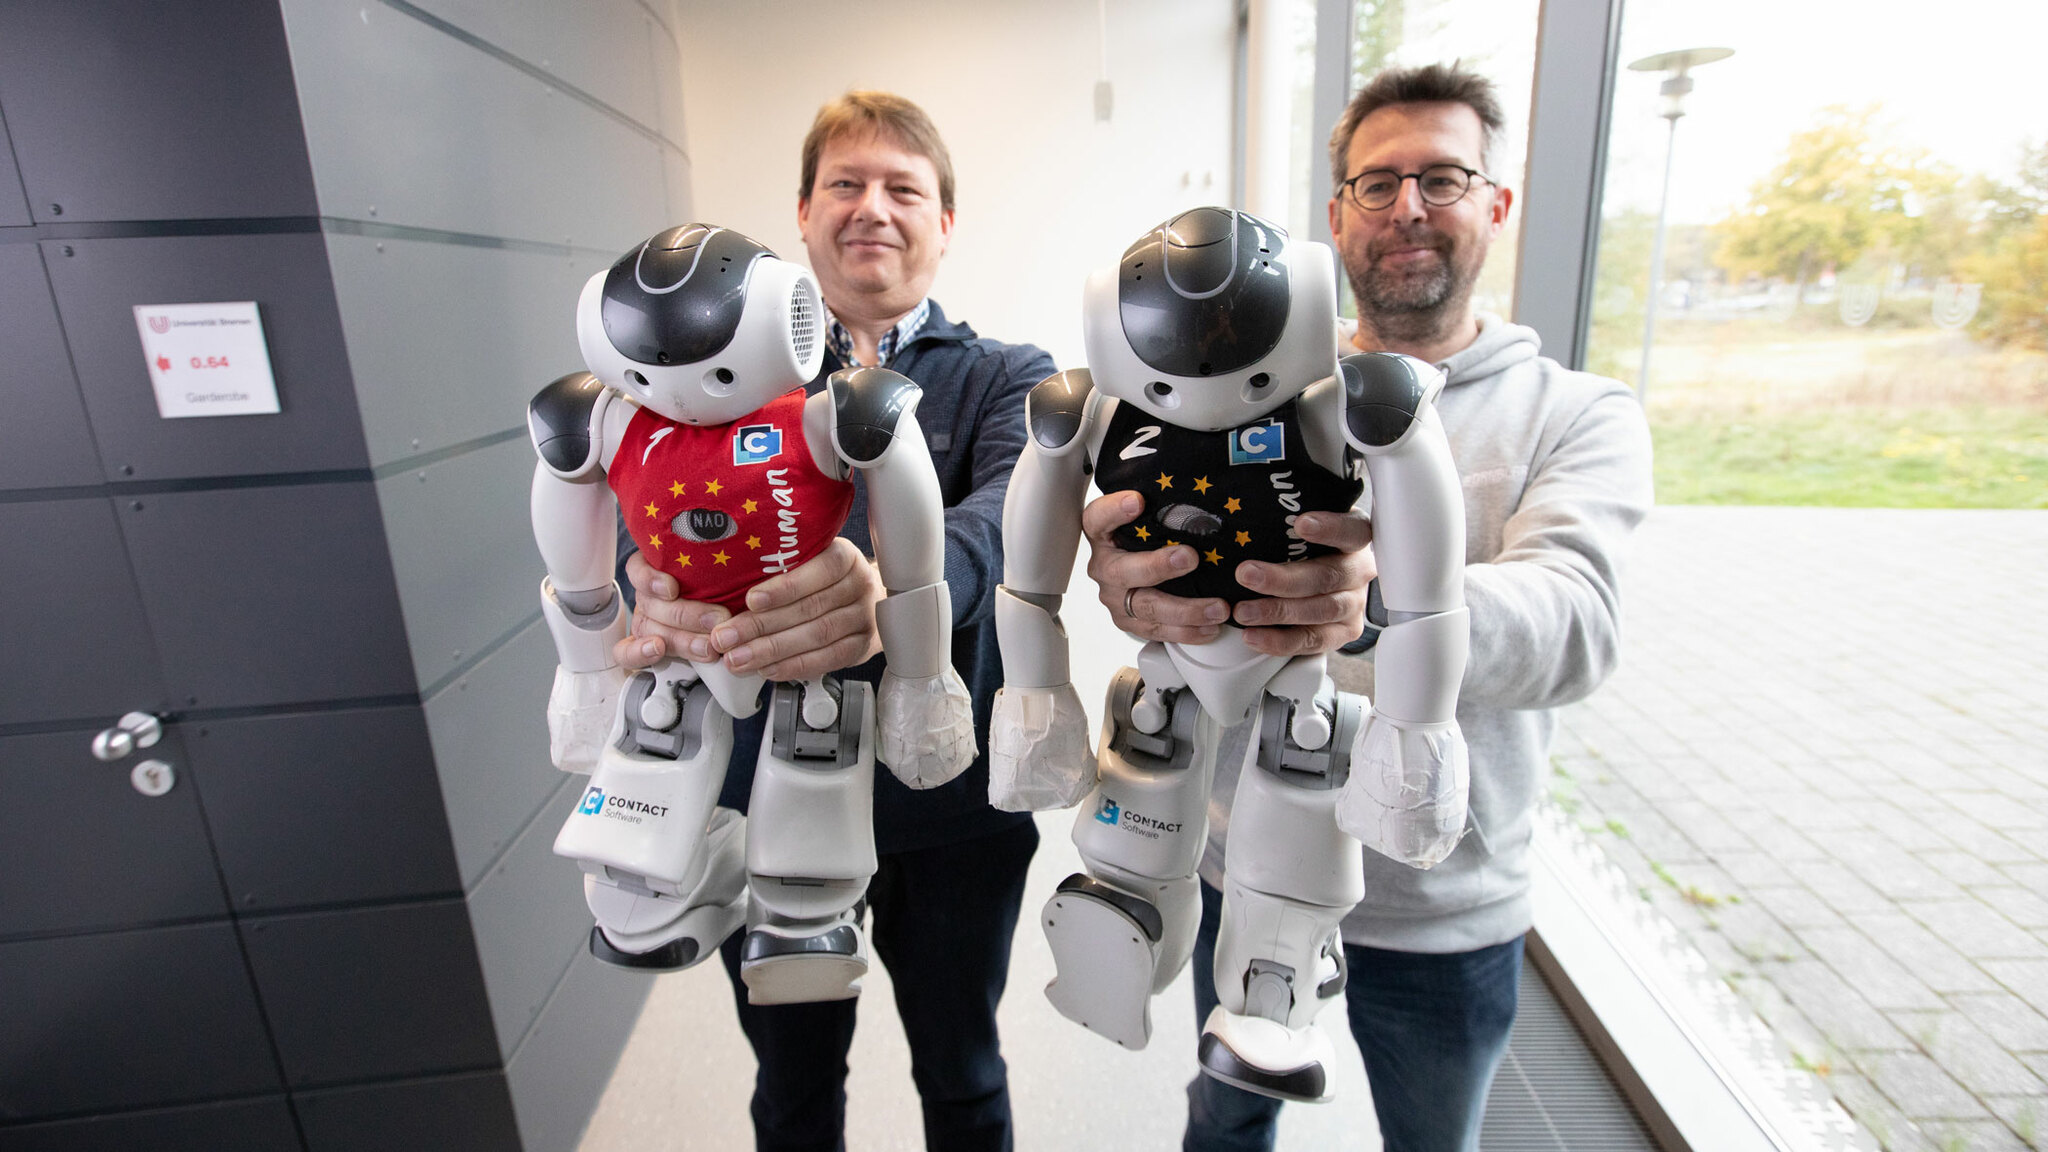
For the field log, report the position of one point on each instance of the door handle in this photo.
(135, 730)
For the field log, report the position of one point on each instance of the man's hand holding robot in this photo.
(699, 343)
(1214, 389)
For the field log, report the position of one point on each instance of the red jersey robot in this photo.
(1213, 386)
(692, 422)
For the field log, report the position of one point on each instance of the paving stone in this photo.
(1836, 1009)
(1999, 812)
(1782, 840)
(1843, 889)
(2027, 1116)
(1979, 932)
(1979, 1062)
(1919, 1086)
(1881, 980)
(2029, 978)
(2026, 907)
(1798, 908)
(1928, 956)
(1869, 1106)
(1974, 1136)
(2029, 874)
(2007, 1019)
(1963, 868)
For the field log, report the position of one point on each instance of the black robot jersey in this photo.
(1231, 496)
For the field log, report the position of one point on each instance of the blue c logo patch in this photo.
(1108, 812)
(756, 444)
(593, 802)
(1259, 444)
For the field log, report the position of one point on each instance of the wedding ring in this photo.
(1128, 610)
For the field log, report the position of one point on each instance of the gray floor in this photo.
(1826, 761)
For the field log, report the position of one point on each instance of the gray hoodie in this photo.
(1556, 471)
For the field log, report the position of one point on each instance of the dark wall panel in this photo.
(198, 96)
(372, 993)
(13, 204)
(470, 1113)
(99, 282)
(265, 596)
(81, 849)
(128, 1020)
(77, 643)
(263, 1125)
(324, 808)
(44, 441)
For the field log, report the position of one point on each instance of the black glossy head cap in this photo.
(1205, 293)
(677, 299)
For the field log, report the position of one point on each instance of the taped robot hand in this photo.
(580, 711)
(926, 727)
(1407, 795)
(1039, 757)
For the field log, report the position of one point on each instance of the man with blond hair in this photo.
(875, 208)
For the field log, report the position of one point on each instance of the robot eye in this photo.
(703, 525)
(1256, 388)
(1161, 393)
(1190, 520)
(636, 380)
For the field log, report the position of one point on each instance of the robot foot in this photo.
(802, 964)
(1104, 943)
(677, 944)
(1259, 1055)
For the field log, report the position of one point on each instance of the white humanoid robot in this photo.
(1213, 386)
(699, 343)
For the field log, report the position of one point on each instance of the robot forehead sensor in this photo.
(1205, 293)
(678, 298)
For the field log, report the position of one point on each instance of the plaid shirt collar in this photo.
(840, 340)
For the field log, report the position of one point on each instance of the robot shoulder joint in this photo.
(1055, 410)
(1384, 392)
(868, 404)
(564, 419)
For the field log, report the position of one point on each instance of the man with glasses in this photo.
(1556, 472)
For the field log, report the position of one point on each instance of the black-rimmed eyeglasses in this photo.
(1441, 185)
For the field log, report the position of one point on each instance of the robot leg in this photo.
(811, 850)
(663, 866)
(1121, 931)
(1292, 877)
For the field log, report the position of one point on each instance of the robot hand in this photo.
(1407, 793)
(1039, 757)
(580, 710)
(926, 727)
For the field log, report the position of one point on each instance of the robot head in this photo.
(1212, 320)
(702, 325)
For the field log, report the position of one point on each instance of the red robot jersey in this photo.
(723, 507)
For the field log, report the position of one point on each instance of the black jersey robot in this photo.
(1214, 387)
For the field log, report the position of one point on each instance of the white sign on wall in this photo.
(207, 359)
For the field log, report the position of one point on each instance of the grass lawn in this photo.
(1775, 412)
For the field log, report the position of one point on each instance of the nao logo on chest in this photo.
(1259, 444)
(756, 444)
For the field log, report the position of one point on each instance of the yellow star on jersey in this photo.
(1165, 481)
(1244, 538)
(676, 489)
(753, 541)
(682, 561)
(1202, 484)
(1214, 556)
(748, 505)
(720, 557)
(1231, 505)
(712, 486)
(1143, 534)
(655, 540)
(1173, 543)
(652, 511)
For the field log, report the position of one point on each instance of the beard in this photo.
(1418, 303)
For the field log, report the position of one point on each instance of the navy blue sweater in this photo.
(972, 415)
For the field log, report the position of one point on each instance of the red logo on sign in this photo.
(159, 324)
(163, 363)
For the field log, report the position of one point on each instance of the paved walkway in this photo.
(1826, 760)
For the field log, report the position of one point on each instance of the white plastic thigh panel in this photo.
(647, 816)
(1418, 666)
(1149, 822)
(812, 822)
(1284, 840)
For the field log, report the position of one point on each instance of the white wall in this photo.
(1045, 193)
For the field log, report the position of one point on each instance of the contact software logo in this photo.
(1109, 812)
(593, 802)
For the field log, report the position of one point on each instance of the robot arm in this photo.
(1406, 797)
(1039, 757)
(924, 715)
(573, 521)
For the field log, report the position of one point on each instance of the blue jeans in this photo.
(942, 920)
(1432, 1029)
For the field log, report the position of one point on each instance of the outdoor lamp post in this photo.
(1673, 91)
